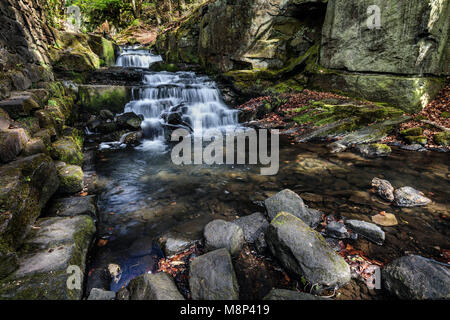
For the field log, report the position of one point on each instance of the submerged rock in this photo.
(374, 150)
(385, 220)
(410, 197)
(304, 252)
(212, 277)
(158, 286)
(100, 294)
(368, 230)
(383, 188)
(414, 277)
(53, 251)
(283, 294)
(222, 234)
(287, 201)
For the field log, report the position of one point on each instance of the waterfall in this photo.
(136, 58)
(195, 101)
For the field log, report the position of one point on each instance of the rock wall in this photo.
(285, 45)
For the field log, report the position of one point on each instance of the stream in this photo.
(145, 195)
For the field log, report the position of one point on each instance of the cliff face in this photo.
(321, 44)
(24, 41)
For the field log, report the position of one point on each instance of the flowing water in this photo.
(146, 195)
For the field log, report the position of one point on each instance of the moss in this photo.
(68, 150)
(445, 114)
(416, 131)
(442, 139)
(96, 98)
(71, 179)
(416, 140)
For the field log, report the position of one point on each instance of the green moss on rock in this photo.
(416, 140)
(442, 139)
(95, 98)
(71, 179)
(417, 131)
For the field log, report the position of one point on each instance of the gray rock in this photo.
(337, 230)
(222, 234)
(374, 150)
(212, 277)
(174, 243)
(384, 189)
(287, 201)
(158, 286)
(316, 217)
(34, 146)
(304, 252)
(19, 106)
(44, 260)
(282, 294)
(130, 121)
(253, 226)
(12, 142)
(414, 277)
(73, 206)
(99, 294)
(368, 230)
(410, 197)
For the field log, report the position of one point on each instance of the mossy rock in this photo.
(416, 140)
(374, 150)
(95, 98)
(69, 150)
(445, 114)
(71, 179)
(103, 48)
(442, 139)
(417, 131)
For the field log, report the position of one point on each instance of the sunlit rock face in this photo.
(412, 38)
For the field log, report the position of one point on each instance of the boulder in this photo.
(73, 206)
(71, 178)
(52, 252)
(5, 120)
(283, 294)
(222, 234)
(35, 146)
(421, 140)
(442, 139)
(416, 278)
(410, 197)
(130, 121)
(253, 226)
(304, 252)
(100, 294)
(416, 131)
(132, 138)
(212, 277)
(19, 106)
(287, 201)
(158, 286)
(106, 115)
(25, 187)
(384, 189)
(368, 230)
(68, 150)
(374, 150)
(12, 142)
(103, 48)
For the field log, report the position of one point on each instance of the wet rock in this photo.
(416, 278)
(222, 234)
(100, 294)
(410, 197)
(158, 286)
(442, 139)
(116, 75)
(386, 220)
(383, 188)
(287, 201)
(8, 263)
(304, 252)
(174, 243)
(132, 138)
(26, 186)
(420, 140)
(106, 115)
(49, 250)
(73, 206)
(253, 226)
(212, 277)
(337, 230)
(130, 121)
(414, 147)
(374, 150)
(368, 230)
(106, 127)
(12, 142)
(71, 178)
(283, 294)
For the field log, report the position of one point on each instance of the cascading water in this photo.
(136, 58)
(181, 99)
